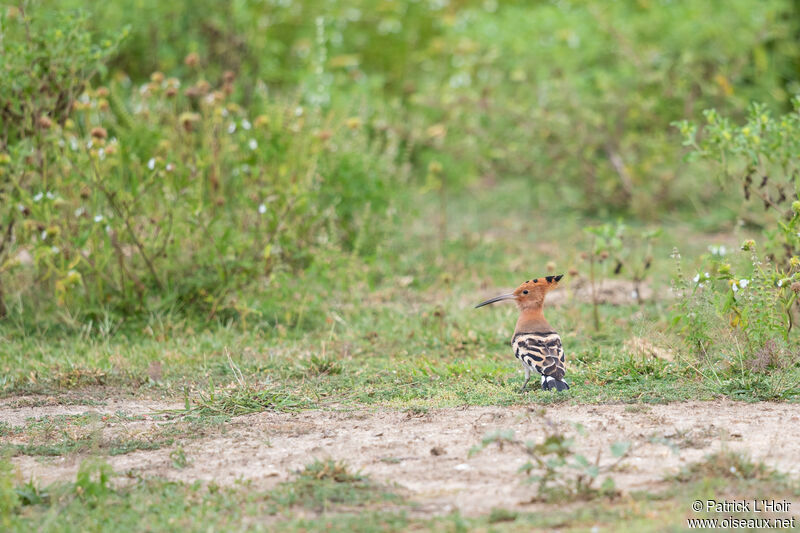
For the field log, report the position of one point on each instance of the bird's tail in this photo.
(551, 383)
(553, 372)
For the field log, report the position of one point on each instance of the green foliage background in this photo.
(203, 158)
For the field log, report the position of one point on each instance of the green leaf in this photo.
(618, 449)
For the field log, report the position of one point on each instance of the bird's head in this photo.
(530, 294)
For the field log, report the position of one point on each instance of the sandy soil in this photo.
(428, 454)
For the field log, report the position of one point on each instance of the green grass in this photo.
(399, 331)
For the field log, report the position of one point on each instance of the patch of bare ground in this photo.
(428, 453)
(16, 411)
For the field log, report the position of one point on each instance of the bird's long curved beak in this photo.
(509, 296)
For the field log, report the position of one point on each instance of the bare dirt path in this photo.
(428, 453)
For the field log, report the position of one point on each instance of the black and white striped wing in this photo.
(542, 352)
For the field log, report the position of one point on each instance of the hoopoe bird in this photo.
(535, 342)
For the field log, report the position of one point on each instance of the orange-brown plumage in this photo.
(535, 342)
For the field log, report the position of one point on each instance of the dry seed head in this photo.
(157, 77)
(795, 287)
(99, 133)
(191, 60)
(551, 266)
(323, 135)
(192, 92)
(45, 123)
(101, 92)
(188, 120)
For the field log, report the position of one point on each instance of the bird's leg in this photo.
(527, 377)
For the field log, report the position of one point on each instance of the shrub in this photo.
(170, 193)
(760, 159)
(576, 96)
(736, 315)
(747, 303)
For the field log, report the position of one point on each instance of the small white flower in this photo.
(696, 278)
(743, 283)
(89, 144)
(717, 250)
(44, 235)
(170, 167)
(298, 111)
(38, 197)
(73, 143)
(21, 208)
(262, 209)
(252, 144)
(246, 124)
(735, 287)
(98, 218)
(780, 283)
(50, 196)
(101, 153)
(232, 127)
(224, 111)
(151, 163)
(708, 276)
(80, 211)
(55, 249)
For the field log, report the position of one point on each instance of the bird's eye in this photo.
(525, 291)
